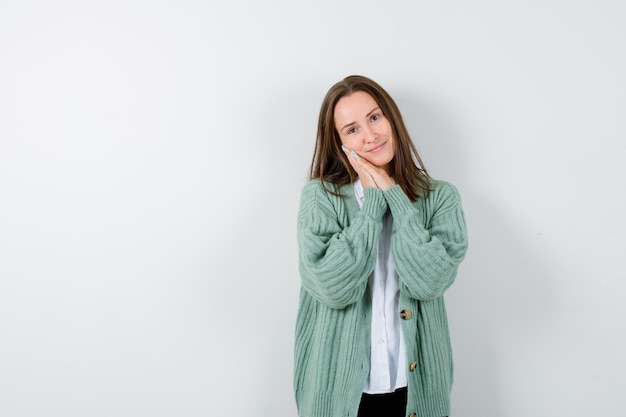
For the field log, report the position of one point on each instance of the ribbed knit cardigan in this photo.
(337, 253)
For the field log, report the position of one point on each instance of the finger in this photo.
(360, 165)
(378, 175)
(353, 158)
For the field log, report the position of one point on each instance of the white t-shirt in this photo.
(388, 353)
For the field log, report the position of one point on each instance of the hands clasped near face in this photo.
(370, 175)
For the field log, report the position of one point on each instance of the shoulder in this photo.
(443, 188)
(443, 196)
(312, 190)
(315, 188)
(310, 186)
(320, 195)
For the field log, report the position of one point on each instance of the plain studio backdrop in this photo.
(151, 159)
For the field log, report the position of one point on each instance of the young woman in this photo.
(379, 244)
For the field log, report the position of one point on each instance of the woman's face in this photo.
(363, 128)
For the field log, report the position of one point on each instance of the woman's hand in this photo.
(370, 175)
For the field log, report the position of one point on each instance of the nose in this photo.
(370, 134)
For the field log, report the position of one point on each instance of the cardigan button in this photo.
(413, 415)
(406, 314)
(412, 366)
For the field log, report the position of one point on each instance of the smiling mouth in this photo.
(376, 149)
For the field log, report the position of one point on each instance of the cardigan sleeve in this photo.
(429, 240)
(336, 258)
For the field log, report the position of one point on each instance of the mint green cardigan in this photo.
(337, 251)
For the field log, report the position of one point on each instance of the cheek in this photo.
(349, 142)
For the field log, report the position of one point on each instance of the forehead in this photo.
(357, 104)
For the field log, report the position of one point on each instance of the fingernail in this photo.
(343, 148)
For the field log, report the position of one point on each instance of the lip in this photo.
(377, 148)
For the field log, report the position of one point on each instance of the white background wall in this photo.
(151, 159)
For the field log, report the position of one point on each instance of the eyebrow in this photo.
(367, 115)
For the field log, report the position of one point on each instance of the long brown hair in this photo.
(329, 162)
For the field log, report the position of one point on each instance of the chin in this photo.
(382, 163)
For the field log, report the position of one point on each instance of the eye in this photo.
(351, 130)
(375, 117)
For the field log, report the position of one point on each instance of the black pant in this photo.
(383, 405)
